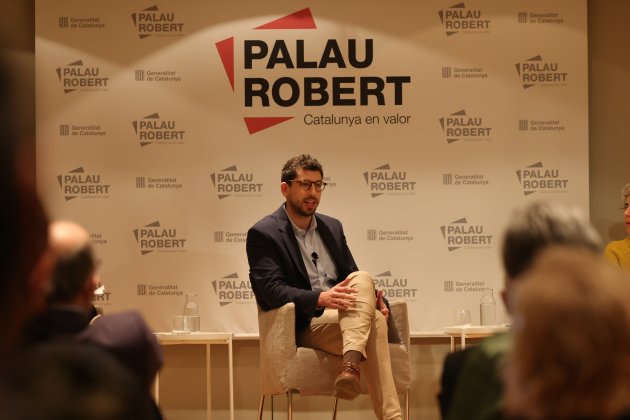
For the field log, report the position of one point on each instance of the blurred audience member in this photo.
(70, 309)
(25, 261)
(571, 334)
(69, 300)
(618, 252)
(472, 379)
(64, 380)
(51, 380)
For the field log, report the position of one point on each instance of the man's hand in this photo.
(380, 305)
(339, 297)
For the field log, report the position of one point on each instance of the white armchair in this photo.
(286, 368)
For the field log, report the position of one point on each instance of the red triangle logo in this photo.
(302, 19)
(226, 52)
(256, 124)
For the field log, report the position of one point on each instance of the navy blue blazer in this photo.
(276, 268)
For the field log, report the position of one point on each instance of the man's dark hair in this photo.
(540, 224)
(70, 274)
(306, 162)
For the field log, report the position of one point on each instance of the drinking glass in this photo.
(462, 317)
(180, 324)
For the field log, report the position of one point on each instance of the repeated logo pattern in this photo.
(163, 129)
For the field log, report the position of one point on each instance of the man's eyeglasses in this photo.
(306, 184)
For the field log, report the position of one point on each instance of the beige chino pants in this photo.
(364, 329)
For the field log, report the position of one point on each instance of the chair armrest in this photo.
(400, 315)
(276, 328)
(278, 352)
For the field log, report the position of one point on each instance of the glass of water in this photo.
(462, 317)
(180, 324)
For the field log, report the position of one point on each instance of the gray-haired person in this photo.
(472, 379)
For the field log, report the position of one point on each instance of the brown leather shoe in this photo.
(347, 384)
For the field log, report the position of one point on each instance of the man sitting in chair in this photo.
(298, 256)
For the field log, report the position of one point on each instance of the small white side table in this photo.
(207, 339)
(472, 331)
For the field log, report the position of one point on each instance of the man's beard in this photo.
(303, 212)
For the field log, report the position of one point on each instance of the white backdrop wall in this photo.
(151, 133)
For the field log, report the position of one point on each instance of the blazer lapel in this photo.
(331, 245)
(288, 236)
